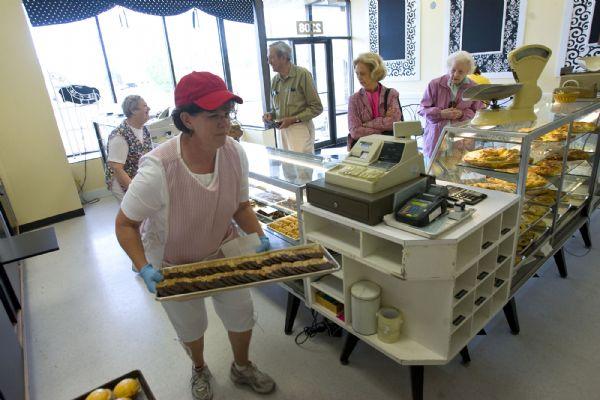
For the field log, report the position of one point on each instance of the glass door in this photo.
(316, 55)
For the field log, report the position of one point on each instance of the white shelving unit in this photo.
(447, 288)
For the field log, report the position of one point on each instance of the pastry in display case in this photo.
(551, 162)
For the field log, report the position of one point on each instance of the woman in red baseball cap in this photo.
(188, 191)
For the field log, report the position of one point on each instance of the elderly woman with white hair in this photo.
(126, 145)
(443, 103)
(374, 108)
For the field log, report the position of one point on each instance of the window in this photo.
(333, 15)
(71, 54)
(194, 41)
(244, 71)
(281, 17)
(137, 56)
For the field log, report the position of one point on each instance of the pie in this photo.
(547, 167)
(544, 199)
(560, 134)
(572, 155)
(493, 157)
(535, 210)
(496, 184)
(533, 181)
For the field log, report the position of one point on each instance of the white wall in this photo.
(543, 25)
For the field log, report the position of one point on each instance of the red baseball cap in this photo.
(206, 90)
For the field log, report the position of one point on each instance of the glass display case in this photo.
(278, 181)
(551, 162)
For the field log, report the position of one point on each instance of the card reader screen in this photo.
(391, 152)
(365, 146)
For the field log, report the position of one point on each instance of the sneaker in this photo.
(200, 381)
(251, 376)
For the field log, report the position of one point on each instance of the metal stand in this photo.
(559, 257)
(510, 312)
(416, 381)
(349, 345)
(464, 353)
(585, 234)
(290, 313)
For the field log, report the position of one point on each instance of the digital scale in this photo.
(378, 162)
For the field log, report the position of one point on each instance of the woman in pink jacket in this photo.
(374, 108)
(443, 103)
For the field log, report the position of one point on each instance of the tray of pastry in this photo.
(206, 278)
(286, 227)
(132, 383)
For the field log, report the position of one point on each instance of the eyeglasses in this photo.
(230, 115)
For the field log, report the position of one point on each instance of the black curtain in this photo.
(50, 12)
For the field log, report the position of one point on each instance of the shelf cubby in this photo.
(484, 291)
(465, 284)
(330, 234)
(330, 285)
(500, 297)
(503, 272)
(491, 232)
(464, 308)
(468, 249)
(506, 248)
(481, 316)
(509, 218)
(381, 254)
(461, 336)
(487, 264)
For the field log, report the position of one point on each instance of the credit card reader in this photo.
(421, 209)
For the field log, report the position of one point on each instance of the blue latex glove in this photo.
(151, 277)
(265, 244)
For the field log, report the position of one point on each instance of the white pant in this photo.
(299, 137)
(189, 318)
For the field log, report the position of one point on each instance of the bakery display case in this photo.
(552, 163)
(278, 181)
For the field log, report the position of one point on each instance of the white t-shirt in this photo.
(143, 202)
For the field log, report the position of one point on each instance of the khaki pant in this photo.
(299, 137)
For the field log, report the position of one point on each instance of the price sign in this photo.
(309, 27)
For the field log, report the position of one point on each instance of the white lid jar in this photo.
(366, 298)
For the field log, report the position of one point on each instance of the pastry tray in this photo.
(210, 292)
(144, 394)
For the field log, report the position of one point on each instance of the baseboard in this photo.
(51, 220)
(94, 194)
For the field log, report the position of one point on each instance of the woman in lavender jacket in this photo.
(443, 102)
(374, 108)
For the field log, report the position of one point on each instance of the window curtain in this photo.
(50, 12)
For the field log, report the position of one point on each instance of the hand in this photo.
(265, 244)
(447, 113)
(267, 117)
(151, 277)
(287, 121)
(458, 113)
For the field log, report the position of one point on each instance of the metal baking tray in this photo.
(144, 394)
(210, 292)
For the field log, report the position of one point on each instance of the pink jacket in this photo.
(437, 98)
(359, 112)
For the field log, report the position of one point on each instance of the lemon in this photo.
(99, 394)
(127, 388)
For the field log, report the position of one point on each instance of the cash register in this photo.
(378, 162)
(366, 185)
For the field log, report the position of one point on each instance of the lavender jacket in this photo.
(436, 98)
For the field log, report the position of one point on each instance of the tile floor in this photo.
(89, 319)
